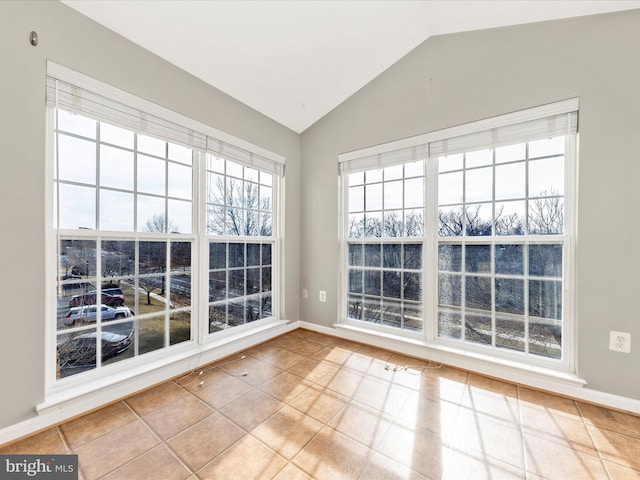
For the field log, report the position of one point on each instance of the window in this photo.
(136, 192)
(465, 235)
(241, 243)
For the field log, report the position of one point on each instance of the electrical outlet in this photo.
(620, 342)
(323, 295)
(305, 293)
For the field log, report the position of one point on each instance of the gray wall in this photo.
(78, 43)
(454, 79)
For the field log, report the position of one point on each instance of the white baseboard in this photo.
(562, 384)
(60, 407)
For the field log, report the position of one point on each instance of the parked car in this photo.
(81, 350)
(110, 296)
(89, 313)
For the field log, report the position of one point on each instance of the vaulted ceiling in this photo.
(293, 60)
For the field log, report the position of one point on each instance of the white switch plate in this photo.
(323, 295)
(620, 342)
(305, 293)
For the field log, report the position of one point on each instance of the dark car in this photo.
(110, 296)
(81, 350)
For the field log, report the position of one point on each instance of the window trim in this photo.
(374, 157)
(244, 153)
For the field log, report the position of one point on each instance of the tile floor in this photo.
(312, 406)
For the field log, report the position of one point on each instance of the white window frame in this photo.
(174, 128)
(558, 117)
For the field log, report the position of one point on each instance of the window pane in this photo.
(179, 216)
(510, 181)
(116, 211)
(237, 283)
(412, 256)
(449, 323)
(116, 168)
(450, 222)
(152, 257)
(355, 280)
(253, 281)
(478, 258)
(545, 260)
(355, 254)
(218, 317)
(118, 258)
(151, 217)
(77, 124)
(266, 279)
(478, 185)
(414, 169)
(356, 178)
(76, 160)
(355, 307)
(510, 218)
(373, 197)
(412, 286)
(151, 145)
(546, 177)
(393, 195)
(266, 254)
(449, 290)
(546, 216)
(151, 175)
(450, 258)
(76, 352)
(478, 293)
(372, 256)
(77, 207)
(217, 286)
(478, 328)
(372, 176)
(450, 188)
(414, 193)
(236, 255)
(116, 135)
(372, 282)
(392, 313)
(545, 299)
(510, 153)
(412, 316)
(509, 296)
(545, 338)
(546, 147)
(391, 255)
(180, 154)
(356, 225)
(180, 327)
(510, 332)
(509, 259)
(413, 223)
(151, 334)
(253, 254)
(180, 181)
(479, 158)
(478, 220)
(450, 162)
(391, 284)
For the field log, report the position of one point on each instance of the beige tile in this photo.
(156, 397)
(553, 404)
(122, 445)
(549, 460)
(492, 440)
(616, 447)
(177, 416)
(204, 441)
(312, 370)
(282, 358)
(396, 374)
(287, 431)
(260, 352)
(304, 333)
(246, 460)
(158, 463)
(257, 372)
(331, 455)
(375, 353)
(383, 468)
(284, 341)
(222, 391)
(610, 419)
(319, 403)
(474, 465)
(618, 472)
(486, 385)
(191, 382)
(420, 450)
(320, 338)
(496, 407)
(437, 416)
(343, 382)
(49, 441)
(251, 409)
(291, 472)
(361, 423)
(384, 396)
(332, 354)
(286, 386)
(558, 428)
(346, 344)
(98, 423)
(306, 348)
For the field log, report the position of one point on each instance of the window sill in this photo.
(95, 392)
(558, 381)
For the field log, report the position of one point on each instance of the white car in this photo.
(89, 313)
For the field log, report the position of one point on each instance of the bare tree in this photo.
(546, 214)
(158, 223)
(237, 208)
